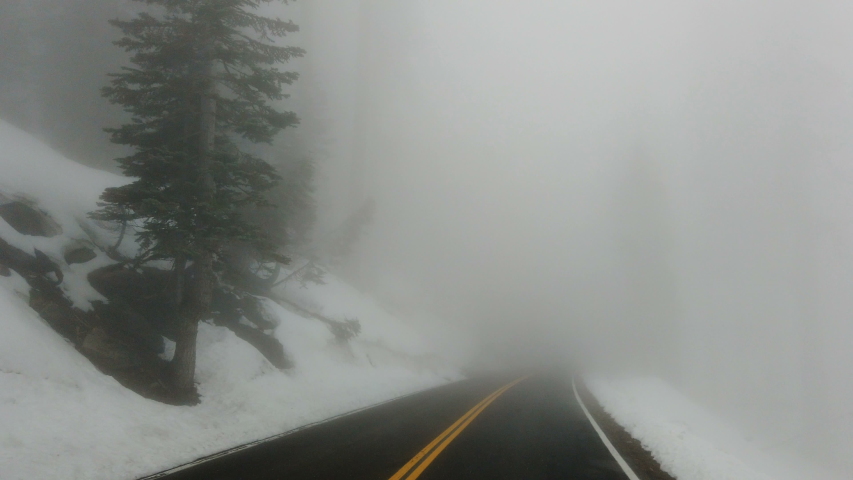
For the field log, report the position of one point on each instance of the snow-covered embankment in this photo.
(61, 418)
(690, 442)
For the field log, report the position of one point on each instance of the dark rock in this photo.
(79, 255)
(5, 271)
(46, 298)
(116, 281)
(146, 292)
(49, 302)
(28, 220)
(100, 343)
(45, 266)
(19, 260)
(29, 266)
(121, 319)
(122, 344)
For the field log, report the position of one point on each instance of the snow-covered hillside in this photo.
(692, 443)
(61, 418)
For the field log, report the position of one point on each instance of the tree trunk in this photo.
(194, 307)
(183, 363)
(120, 236)
(198, 285)
(179, 279)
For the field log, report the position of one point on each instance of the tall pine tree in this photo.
(204, 76)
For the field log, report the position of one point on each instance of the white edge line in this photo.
(621, 461)
(238, 448)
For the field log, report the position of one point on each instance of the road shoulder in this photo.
(641, 461)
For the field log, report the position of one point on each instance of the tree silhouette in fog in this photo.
(203, 80)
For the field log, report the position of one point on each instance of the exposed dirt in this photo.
(638, 458)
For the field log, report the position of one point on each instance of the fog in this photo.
(657, 188)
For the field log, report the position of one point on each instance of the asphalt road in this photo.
(532, 430)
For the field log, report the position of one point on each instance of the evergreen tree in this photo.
(204, 79)
(294, 217)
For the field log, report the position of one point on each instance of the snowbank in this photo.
(338, 300)
(689, 442)
(60, 418)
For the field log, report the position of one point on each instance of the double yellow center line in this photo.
(421, 461)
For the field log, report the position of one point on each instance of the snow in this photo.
(344, 302)
(690, 442)
(67, 191)
(60, 418)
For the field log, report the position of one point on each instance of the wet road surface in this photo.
(486, 428)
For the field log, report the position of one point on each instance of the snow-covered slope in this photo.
(690, 442)
(60, 418)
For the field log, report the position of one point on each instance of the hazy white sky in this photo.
(664, 183)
